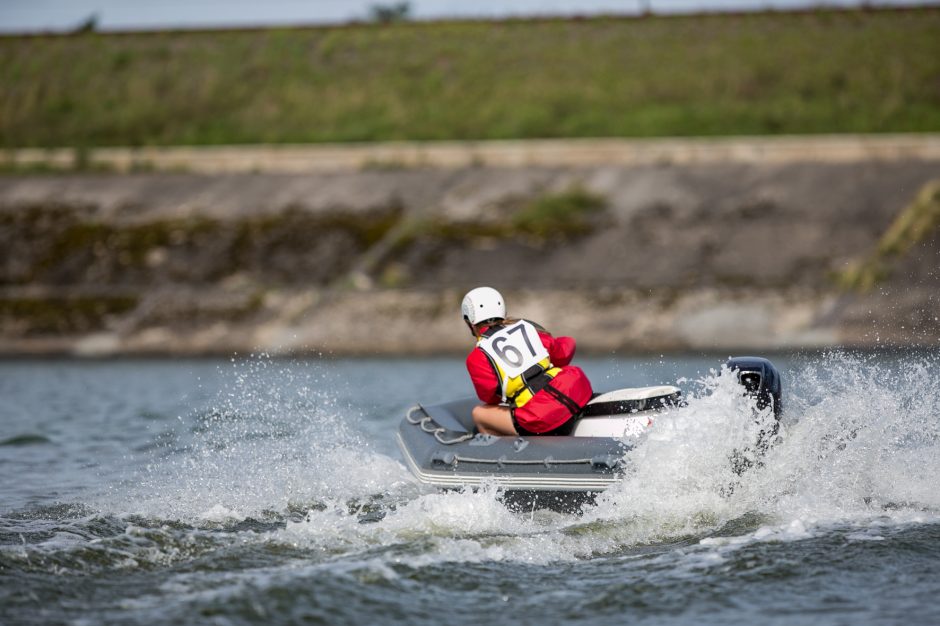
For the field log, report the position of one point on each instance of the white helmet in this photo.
(481, 304)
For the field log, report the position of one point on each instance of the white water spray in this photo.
(276, 440)
(859, 444)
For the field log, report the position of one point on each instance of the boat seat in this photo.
(632, 400)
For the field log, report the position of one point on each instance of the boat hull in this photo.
(440, 449)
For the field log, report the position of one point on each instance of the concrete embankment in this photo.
(719, 244)
(497, 154)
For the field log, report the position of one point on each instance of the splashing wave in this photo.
(279, 462)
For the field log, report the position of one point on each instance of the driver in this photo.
(520, 372)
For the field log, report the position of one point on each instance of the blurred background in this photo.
(207, 177)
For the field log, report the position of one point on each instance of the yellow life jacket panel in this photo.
(522, 364)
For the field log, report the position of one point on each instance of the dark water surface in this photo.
(256, 492)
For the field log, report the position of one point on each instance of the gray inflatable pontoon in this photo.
(441, 449)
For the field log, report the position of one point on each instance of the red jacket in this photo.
(543, 412)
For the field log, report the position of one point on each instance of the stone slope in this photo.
(643, 257)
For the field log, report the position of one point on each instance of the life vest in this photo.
(520, 360)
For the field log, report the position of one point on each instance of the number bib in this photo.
(514, 349)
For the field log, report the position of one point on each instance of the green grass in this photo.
(63, 245)
(768, 73)
(62, 314)
(915, 223)
(566, 213)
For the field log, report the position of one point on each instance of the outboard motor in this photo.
(761, 379)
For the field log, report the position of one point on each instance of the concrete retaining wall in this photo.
(508, 154)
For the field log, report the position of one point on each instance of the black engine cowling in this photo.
(761, 379)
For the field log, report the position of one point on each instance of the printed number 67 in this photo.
(510, 354)
(503, 353)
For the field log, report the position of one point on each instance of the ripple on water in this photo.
(27, 439)
(272, 506)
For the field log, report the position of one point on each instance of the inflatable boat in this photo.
(442, 449)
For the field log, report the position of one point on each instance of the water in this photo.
(258, 491)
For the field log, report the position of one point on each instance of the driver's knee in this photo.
(479, 415)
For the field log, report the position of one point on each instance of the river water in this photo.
(261, 491)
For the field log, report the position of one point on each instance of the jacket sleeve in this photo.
(560, 349)
(484, 378)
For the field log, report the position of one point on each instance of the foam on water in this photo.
(275, 440)
(866, 442)
(859, 445)
(269, 499)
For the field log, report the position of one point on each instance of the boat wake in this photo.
(279, 467)
(275, 444)
(859, 446)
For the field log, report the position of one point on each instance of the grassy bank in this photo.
(770, 73)
(916, 223)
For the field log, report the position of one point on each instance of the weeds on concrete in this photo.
(913, 225)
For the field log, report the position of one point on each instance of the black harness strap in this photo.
(570, 404)
(535, 379)
(491, 330)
